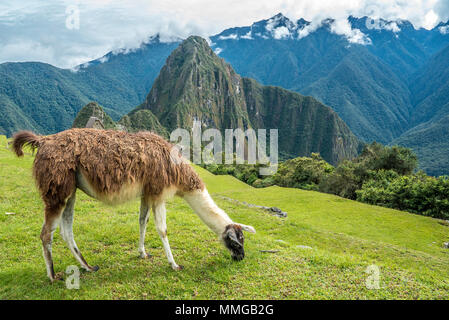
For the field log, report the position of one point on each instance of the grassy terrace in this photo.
(345, 238)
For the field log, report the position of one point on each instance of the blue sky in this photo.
(54, 32)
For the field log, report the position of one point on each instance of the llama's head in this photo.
(233, 239)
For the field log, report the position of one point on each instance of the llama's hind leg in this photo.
(52, 217)
(159, 212)
(143, 220)
(67, 233)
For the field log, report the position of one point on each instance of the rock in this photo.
(269, 251)
(446, 245)
(281, 241)
(272, 210)
(9, 213)
(304, 247)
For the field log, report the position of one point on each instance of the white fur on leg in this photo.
(159, 212)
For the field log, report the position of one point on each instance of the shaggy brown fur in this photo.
(108, 158)
(24, 138)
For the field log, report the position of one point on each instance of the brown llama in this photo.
(114, 167)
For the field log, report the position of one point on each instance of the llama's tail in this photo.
(25, 138)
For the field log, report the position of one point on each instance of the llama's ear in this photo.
(247, 228)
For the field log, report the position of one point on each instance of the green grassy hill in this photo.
(344, 237)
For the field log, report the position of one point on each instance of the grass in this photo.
(345, 238)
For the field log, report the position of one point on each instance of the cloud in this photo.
(37, 30)
(342, 27)
(281, 32)
(247, 36)
(232, 36)
(308, 29)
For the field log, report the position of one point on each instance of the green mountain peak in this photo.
(196, 84)
(95, 111)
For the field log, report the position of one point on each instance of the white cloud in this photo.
(218, 50)
(308, 29)
(261, 35)
(392, 26)
(281, 32)
(247, 36)
(444, 30)
(35, 30)
(430, 19)
(343, 27)
(232, 36)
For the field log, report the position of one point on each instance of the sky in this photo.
(66, 33)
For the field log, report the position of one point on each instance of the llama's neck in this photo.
(203, 205)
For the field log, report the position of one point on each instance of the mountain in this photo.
(431, 144)
(43, 98)
(363, 78)
(141, 119)
(195, 84)
(430, 89)
(429, 138)
(383, 78)
(373, 98)
(92, 109)
(367, 94)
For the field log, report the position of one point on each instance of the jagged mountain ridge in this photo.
(195, 84)
(373, 97)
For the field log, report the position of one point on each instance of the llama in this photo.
(114, 167)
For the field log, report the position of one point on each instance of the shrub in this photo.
(344, 181)
(302, 172)
(349, 176)
(378, 157)
(416, 193)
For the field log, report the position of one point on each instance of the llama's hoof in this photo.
(178, 267)
(58, 277)
(144, 255)
(95, 268)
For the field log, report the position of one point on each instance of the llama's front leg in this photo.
(143, 220)
(161, 227)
